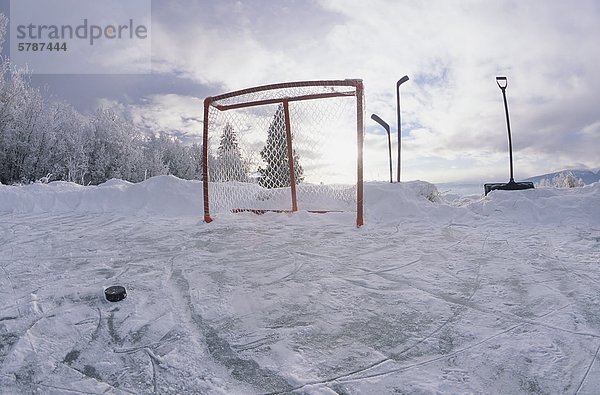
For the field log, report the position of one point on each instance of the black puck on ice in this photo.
(115, 293)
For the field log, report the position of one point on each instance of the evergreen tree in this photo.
(275, 154)
(230, 160)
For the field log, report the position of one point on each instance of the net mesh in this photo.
(249, 158)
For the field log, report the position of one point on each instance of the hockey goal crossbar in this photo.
(283, 94)
(287, 99)
(297, 84)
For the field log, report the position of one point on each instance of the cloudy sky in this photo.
(453, 117)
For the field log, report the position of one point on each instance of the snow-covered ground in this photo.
(450, 294)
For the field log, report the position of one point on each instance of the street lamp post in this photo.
(400, 82)
(385, 125)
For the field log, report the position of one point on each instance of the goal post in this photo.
(285, 147)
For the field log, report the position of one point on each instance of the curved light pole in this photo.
(400, 82)
(385, 125)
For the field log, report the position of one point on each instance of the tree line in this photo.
(43, 139)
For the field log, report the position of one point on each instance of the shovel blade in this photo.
(508, 186)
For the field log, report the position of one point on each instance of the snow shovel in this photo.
(511, 185)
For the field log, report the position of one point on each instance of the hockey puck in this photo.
(115, 293)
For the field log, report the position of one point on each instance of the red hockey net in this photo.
(285, 147)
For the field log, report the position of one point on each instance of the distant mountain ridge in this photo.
(587, 176)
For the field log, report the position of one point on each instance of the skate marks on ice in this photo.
(242, 369)
(274, 305)
(68, 338)
(509, 305)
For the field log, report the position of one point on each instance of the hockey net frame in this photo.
(279, 94)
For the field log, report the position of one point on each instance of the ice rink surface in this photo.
(435, 294)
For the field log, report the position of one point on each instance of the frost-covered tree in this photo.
(154, 164)
(24, 127)
(166, 154)
(40, 137)
(178, 158)
(3, 25)
(194, 152)
(114, 148)
(10, 90)
(72, 146)
(565, 179)
(232, 166)
(45, 139)
(277, 172)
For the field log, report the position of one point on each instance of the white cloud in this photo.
(452, 50)
(174, 114)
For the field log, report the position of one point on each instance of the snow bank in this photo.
(162, 195)
(384, 202)
(421, 201)
(414, 200)
(437, 293)
(543, 205)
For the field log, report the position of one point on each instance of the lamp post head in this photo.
(502, 82)
(402, 81)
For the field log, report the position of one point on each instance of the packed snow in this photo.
(435, 293)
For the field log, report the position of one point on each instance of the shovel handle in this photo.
(501, 79)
